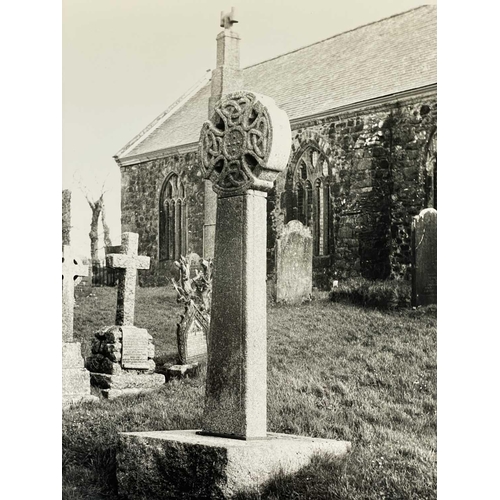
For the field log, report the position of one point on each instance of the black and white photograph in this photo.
(249, 250)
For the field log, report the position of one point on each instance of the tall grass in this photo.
(334, 371)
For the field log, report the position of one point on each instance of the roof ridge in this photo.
(339, 34)
(174, 107)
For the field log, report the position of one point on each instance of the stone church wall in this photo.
(377, 158)
(141, 186)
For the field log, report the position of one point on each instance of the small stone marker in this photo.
(424, 248)
(192, 331)
(294, 264)
(242, 150)
(122, 354)
(72, 271)
(129, 262)
(192, 336)
(75, 378)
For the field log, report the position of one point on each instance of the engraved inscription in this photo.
(196, 341)
(135, 344)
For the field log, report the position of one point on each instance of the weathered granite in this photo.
(235, 399)
(131, 391)
(294, 263)
(185, 465)
(113, 354)
(75, 378)
(183, 371)
(72, 271)
(125, 380)
(122, 354)
(129, 262)
(424, 247)
(242, 149)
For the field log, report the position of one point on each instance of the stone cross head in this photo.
(245, 144)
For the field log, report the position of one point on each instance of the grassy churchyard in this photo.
(335, 371)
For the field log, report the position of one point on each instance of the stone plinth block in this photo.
(75, 378)
(183, 464)
(294, 255)
(183, 371)
(72, 355)
(112, 386)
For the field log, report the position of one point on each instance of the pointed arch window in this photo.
(173, 219)
(308, 197)
(431, 172)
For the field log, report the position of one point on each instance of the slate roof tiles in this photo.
(386, 57)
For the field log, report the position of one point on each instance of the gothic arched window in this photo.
(173, 219)
(430, 172)
(308, 198)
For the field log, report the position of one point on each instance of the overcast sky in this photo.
(126, 61)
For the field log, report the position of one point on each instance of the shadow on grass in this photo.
(322, 478)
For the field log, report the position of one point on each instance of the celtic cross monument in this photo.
(242, 149)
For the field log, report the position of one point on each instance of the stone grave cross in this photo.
(242, 149)
(72, 270)
(129, 262)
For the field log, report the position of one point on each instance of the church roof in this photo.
(390, 56)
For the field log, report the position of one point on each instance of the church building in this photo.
(363, 112)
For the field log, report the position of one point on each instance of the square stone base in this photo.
(75, 378)
(184, 464)
(183, 371)
(112, 386)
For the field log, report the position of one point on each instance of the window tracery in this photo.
(173, 219)
(308, 197)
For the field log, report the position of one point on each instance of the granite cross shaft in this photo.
(129, 262)
(72, 269)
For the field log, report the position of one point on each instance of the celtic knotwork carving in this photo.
(235, 144)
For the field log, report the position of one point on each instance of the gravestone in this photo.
(424, 252)
(122, 354)
(192, 336)
(75, 378)
(242, 149)
(294, 264)
(195, 291)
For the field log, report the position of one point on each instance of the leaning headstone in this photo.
(294, 264)
(424, 251)
(122, 354)
(242, 149)
(75, 378)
